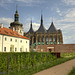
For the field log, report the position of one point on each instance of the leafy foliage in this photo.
(28, 63)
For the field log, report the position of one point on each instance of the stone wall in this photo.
(56, 48)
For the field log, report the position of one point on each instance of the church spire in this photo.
(16, 16)
(31, 23)
(31, 28)
(41, 18)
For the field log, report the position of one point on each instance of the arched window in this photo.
(50, 38)
(42, 38)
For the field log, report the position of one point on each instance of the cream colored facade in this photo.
(13, 44)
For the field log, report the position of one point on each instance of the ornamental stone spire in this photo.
(16, 15)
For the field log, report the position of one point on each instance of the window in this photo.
(5, 49)
(26, 49)
(21, 41)
(20, 31)
(0, 37)
(21, 49)
(15, 40)
(10, 49)
(11, 39)
(15, 49)
(26, 41)
(5, 38)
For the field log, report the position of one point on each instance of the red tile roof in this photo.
(9, 32)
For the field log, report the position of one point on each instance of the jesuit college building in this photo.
(12, 39)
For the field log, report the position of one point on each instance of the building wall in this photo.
(56, 48)
(19, 29)
(21, 44)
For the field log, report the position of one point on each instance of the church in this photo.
(44, 37)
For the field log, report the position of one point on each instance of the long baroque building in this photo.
(43, 36)
(12, 39)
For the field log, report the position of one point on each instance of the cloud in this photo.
(27, 26)
(58, 11)
(35, 26)
(71, 13)
(6, 21)
(69, 2)
(4, 3)
(29, 1)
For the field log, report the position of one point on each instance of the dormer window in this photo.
(20, 31)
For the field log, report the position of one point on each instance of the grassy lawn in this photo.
(72, 72)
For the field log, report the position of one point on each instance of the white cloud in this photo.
(4, 3)
(35, 26)
(69, 2)
(6, 21)
(29, 1)
(71, 13)
(58, 11)
(27, 26)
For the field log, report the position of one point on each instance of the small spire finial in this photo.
(52, 19)
(31, 22)
(41, 11)
(16, 7)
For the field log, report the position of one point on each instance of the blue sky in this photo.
(62, 12)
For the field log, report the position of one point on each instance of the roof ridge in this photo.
(10, 32)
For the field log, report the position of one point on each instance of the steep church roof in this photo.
(41, 28)
(52, 29)
(31, 28)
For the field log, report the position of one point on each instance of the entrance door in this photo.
(11, 48)
(50, 49)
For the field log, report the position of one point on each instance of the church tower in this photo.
(16, 25)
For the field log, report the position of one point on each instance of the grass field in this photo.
(72, 72)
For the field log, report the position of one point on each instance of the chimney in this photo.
(1, 25)
(13, 28)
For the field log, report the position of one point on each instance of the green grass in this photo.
(72, 72)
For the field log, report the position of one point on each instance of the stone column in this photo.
(40, 40)
(44, 39)
(32, 40)
(53, 39)
(48, 40)
(57, 39)
(36, 40)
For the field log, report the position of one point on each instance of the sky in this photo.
(61, 12)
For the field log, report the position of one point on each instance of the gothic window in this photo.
(39, 39)
(54, 39)
(43, 39)
(51, 38)
(58, 38)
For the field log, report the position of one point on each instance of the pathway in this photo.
(61, 69)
